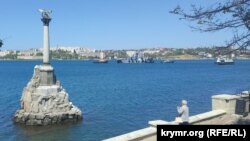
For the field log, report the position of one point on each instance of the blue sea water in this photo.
(118, 98)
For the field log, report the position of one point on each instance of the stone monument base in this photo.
(44, 101)
(46, 119)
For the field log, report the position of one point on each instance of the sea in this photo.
(118, 98)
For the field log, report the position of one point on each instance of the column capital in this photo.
(45, 16)
(46, 21)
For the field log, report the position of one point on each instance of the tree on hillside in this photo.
(1, 43)
(232, 14)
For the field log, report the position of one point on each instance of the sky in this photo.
(103, 24)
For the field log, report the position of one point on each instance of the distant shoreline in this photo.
(180, 59)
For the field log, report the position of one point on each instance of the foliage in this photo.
(39, 54)
(232, 14)
(61, 54)
(1, 43)
(11, 55)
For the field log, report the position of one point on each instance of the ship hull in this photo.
(101, 62)
(225, 63)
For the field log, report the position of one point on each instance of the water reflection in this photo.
(59, 132)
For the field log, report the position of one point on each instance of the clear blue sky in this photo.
(103, 24)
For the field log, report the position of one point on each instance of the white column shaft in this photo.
(46, 44)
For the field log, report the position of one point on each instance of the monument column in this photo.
(44, 101)
(46, 70)
(46, 19)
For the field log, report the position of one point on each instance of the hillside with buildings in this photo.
(68, 53)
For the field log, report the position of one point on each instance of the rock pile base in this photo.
(44, 101)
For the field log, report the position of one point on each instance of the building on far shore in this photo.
(77, 52)
(4, 53)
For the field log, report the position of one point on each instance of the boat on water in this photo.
(102, 59)
(136, 58)
(135, 61)
(224, 61)
(167, 61)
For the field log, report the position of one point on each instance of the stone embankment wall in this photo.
(226, 109)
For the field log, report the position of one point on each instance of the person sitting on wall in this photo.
(183, 112)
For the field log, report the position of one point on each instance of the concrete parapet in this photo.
(154, 123)
(226, 109)
(206, 118)
(232, 104)
(139, 135)
(149, 133)
(203, 118)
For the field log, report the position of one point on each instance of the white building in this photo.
(151, 51)
(130, 53)
(4, 53)
(29, 52)
(209, 55)
(73, 49)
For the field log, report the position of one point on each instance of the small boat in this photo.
(101, 60)
(224, 61)
(167, 61)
